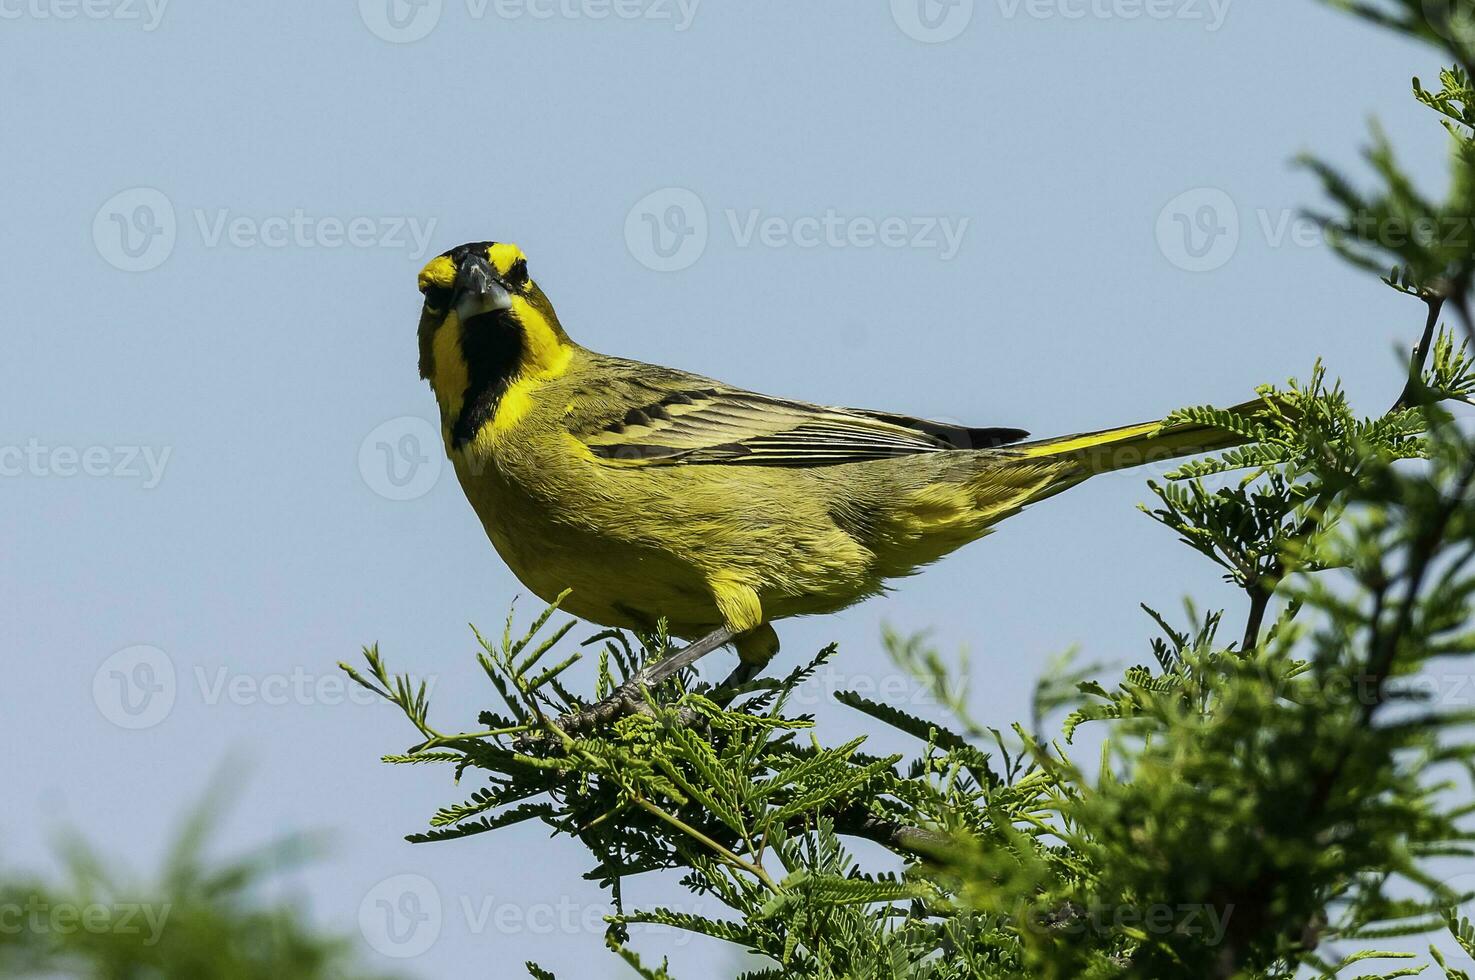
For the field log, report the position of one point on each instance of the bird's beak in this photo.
(478, 290)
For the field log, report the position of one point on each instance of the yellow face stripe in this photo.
(451, 374)
(544, 353)
(439, 272)
(503, 256)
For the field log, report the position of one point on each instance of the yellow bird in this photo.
(651, 492)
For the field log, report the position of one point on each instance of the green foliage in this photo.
(197, 920)
(1270, 804)
(1431, 242)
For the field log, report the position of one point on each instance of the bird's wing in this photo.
(659, 417)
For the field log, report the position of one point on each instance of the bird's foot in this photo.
(630, 697)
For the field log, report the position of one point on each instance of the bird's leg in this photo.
(653, 674)
(629, 697)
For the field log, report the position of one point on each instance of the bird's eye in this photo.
(437, 298)
(517, 275)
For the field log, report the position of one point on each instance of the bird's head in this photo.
(484, 325)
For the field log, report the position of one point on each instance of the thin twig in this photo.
(1420, 355)
(1259, 603)
(722, 852)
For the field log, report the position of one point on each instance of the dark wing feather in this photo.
(660, 417)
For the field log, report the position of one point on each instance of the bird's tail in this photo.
(1135, 445)
(948, 513)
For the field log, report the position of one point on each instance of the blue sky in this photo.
(1051, 214)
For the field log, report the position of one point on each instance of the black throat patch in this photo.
(492, 344)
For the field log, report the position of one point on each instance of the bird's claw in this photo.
(627, 700)
(630, 697)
